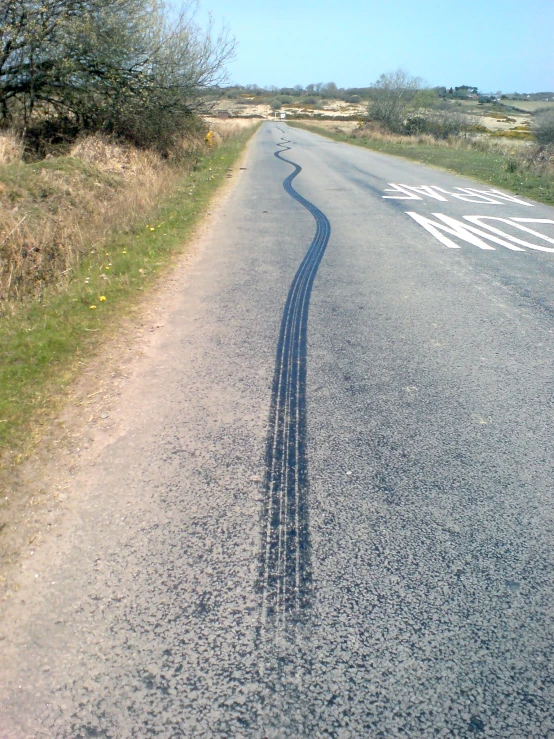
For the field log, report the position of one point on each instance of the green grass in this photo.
(42, 343)
(493, 169)
(531, 106)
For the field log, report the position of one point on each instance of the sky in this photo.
(505, 45)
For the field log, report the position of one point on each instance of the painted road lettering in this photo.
(467, 194)
(485, 233)
(515, 223)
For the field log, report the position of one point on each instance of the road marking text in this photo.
(486, 232)
(467, 194)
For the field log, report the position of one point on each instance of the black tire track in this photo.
(286, 574)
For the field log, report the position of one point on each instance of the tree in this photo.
(127, 67)
(393, 97)
(314, 87)
(330, 89)
(463, 91)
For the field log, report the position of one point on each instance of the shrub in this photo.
(437, 123)
(543, 127)
(512, 134)
(276, 104)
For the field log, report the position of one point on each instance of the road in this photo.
(327, 510)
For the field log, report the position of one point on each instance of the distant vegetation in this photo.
(313, 93)
(506, 140)
(400, 104)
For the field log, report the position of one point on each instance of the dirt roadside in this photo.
(35, 500)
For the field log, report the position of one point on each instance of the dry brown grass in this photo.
(393, 138)
(524, 154)
(422, 139)
(110, 156)
(226, 128)
(11, 148)
(54, 212)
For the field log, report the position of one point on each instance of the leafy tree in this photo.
(463, 91)
(393, 97)
(330, 89)
(126, 67)
(314, 87)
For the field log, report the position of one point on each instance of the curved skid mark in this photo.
(285, 569)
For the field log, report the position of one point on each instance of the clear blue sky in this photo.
(503, 45)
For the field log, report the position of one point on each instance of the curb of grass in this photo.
(486, 167)
(44, 344)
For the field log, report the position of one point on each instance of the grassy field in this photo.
(44, 342)
(492, 168)
(526, 106)
(531, 106)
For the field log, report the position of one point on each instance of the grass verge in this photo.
(491, 168)
(43, 343)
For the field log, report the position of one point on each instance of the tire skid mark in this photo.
(285, 568)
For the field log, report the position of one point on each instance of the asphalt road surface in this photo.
(329, 509)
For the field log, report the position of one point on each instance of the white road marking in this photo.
(476, 236)
(428, 190)
(537, 220)
(502, 196)
(466, 194)
(533, 220)
(485, 197)
(400, 188)
(479, 221)
(455, 228)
